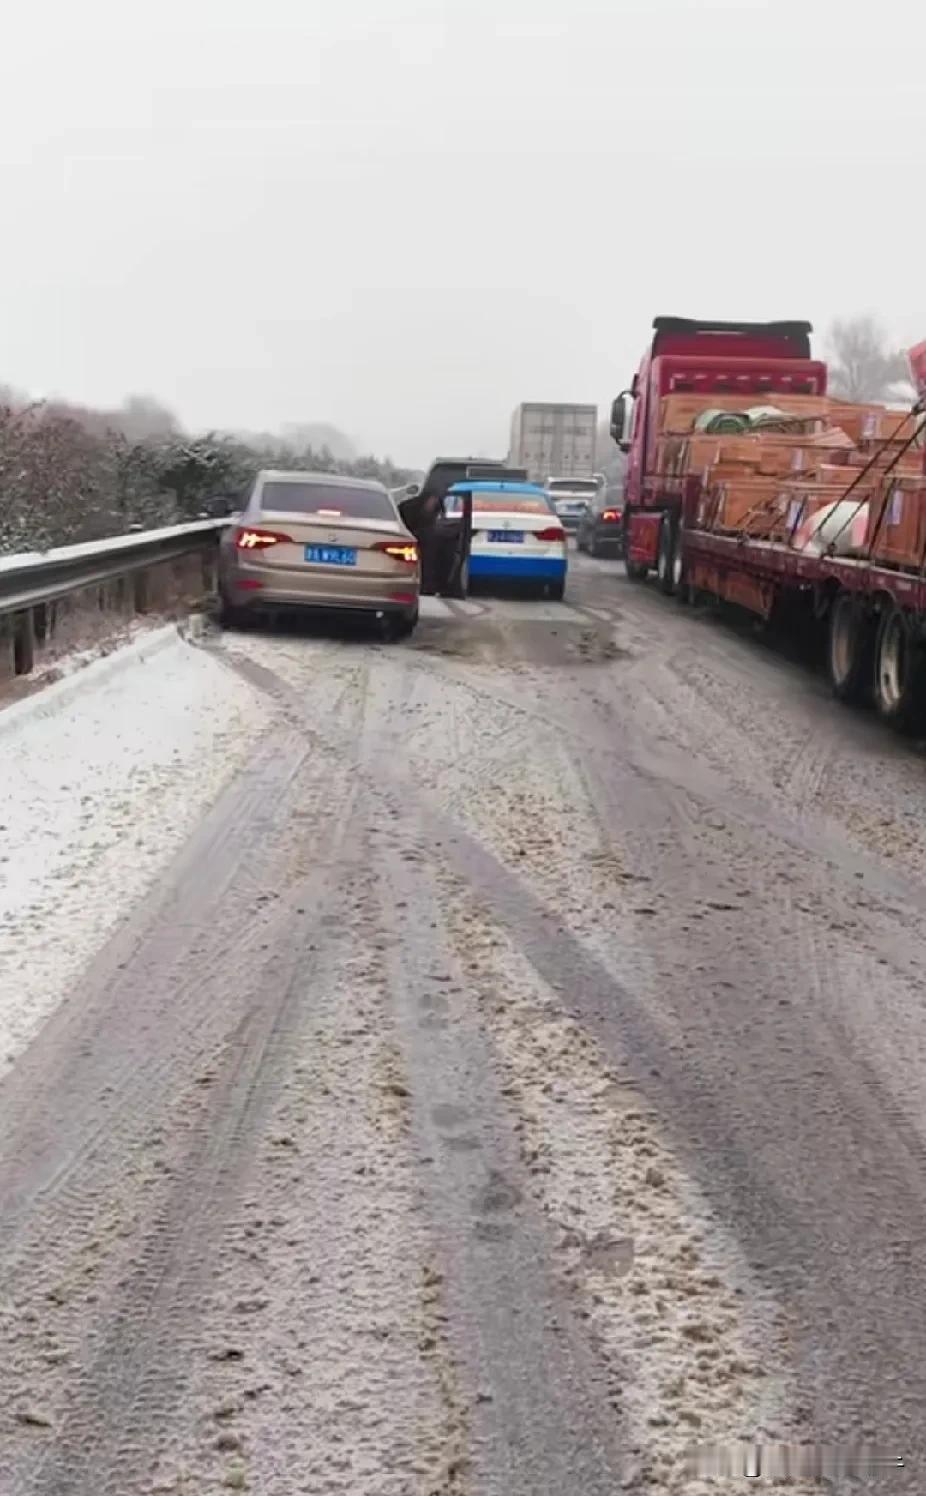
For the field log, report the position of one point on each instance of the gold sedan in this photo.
(322, 542)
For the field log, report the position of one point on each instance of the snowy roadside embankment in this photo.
(102, 778)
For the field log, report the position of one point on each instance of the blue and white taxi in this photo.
(516, 534)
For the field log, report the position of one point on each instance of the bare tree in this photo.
(69, 473)
(863, 366)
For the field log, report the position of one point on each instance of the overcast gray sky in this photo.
(404, 216)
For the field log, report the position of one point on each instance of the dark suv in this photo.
(601, 529)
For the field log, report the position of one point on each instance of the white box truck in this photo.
(554, 441)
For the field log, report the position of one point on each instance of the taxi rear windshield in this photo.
(511, 503)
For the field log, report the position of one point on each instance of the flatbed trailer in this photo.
(770, 566)
(871, 613)
(874, 616)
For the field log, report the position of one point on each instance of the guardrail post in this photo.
(23, 642)
(141, 591)
(7, 666)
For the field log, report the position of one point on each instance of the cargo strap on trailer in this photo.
(917, 410)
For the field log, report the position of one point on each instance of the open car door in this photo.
(444, 537)
(443, 540)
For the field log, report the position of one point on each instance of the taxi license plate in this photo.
(507, 537)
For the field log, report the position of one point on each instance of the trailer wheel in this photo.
(899, 687)
(670, 567)
(664, 557)
(851, 650)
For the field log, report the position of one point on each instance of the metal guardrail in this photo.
(36, 577)
(31, 584)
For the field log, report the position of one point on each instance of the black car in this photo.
(570, 513)
(601, 529)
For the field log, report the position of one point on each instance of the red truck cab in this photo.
(759, 359)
